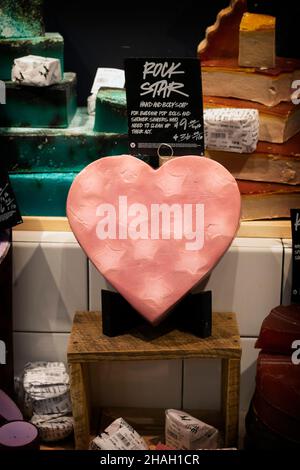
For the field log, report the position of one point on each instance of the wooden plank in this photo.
(265, 229)
(80, 406)
(248, 229)
(230, 400)
(66, 444)
(44, 224)
(88, 344)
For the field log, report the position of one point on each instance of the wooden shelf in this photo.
(88, 344)
(253, 229)
(265, 229)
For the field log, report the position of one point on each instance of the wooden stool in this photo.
(88, 345)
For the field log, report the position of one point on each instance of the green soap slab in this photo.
(71, 149)
(21, 18)
(111, 111)
(30, 106)
(42, 193)
(50, 45)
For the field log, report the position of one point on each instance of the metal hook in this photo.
(169, 147)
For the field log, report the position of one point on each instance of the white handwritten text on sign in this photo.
(162, 87)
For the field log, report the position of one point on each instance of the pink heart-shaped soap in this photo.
(154, 234)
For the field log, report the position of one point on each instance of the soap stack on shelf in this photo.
(44, 139)
(240, 70)
(273, 418)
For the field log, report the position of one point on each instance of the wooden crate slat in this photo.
(88, 344)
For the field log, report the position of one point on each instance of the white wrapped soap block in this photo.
(119, 436)
(184, 432)
(91, 104)
(231, 129)
(36, 70)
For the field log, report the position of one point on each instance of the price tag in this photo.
(164, 106)
(9, 211)
(106, 77)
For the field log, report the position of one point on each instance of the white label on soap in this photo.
(231, 129)
(106, 77)
(91, 104)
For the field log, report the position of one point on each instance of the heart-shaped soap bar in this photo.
(154, 234)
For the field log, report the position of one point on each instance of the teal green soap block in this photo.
(21, 18)
(111, 111)
(42, 193)
(50, 45)
(32, 106)
(71, 149)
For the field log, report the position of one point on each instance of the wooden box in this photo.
(88, 345)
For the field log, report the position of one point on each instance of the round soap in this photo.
(19, 435)
(54, 427)
(46, 385)
(8, 409)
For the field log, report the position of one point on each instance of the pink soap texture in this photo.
(153, 261)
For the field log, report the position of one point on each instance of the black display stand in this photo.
(6, 370)
(192, 314)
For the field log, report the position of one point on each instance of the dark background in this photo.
(103, 33)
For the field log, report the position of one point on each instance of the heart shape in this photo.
(151, 260)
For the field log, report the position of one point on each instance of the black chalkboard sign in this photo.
(9, 212)
(164, 107)
(295, 220)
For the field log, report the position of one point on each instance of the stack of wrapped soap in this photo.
(31, 65)
(44, 139)
(240, 71)
(273, 420)
(44, 393)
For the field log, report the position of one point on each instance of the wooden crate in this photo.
(88, 345)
